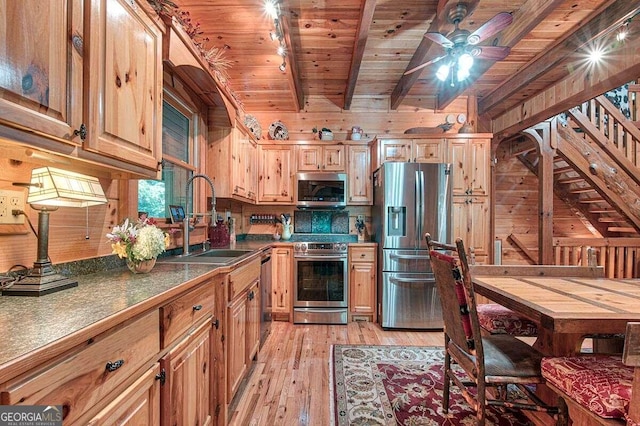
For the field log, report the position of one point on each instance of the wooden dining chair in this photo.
(493, 364)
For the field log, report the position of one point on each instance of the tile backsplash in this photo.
(321, 222)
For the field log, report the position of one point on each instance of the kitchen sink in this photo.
(220, 257)
(223, 253)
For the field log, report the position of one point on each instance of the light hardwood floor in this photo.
(289, 384)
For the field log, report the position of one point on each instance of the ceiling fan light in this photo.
(443, 72)
(463, 74)
(465, 62)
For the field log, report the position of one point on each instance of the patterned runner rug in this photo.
(389, 385)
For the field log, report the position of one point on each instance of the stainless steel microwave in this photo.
(321, 190)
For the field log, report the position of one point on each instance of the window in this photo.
(178, 160)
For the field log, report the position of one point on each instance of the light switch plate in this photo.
(9, 201)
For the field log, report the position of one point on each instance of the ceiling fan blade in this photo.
(493, 26)
(419, 67)
(439, 38)
(492, 53)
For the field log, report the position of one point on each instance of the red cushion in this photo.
(602, 384)
(497, 319)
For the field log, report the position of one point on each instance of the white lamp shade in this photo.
(62, 188)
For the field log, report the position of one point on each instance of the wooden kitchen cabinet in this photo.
(92, 91)
(186, 392)
(281, 282)
(138, 405)
(362, 282)
(82, 378)
(243, 322)
(232, 163)
(403, 148)
(360, 185)
(326, 158)
(470, 168)
(275, 179)
(471, 222)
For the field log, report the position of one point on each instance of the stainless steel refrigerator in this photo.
(409, 199)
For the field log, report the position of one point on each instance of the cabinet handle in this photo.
(82, 131)
(362, 255)
(162, 376)
(197, 307)
(113, 366)
(216, 323)
(251, 295)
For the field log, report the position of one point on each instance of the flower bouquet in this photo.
(139, 243)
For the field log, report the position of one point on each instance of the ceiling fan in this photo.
(462, 45)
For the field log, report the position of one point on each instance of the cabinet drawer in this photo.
(362, 254)
(81, 379)
(178, 316)
(241, 278)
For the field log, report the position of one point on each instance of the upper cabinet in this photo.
(124, 101)
(327, 158)
(360, 184)
(85, 81)
(408, 149)
(275, 179)
(232, 163)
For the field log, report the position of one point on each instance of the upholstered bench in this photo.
(496, 319)
(599, 389)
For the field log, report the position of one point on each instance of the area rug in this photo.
(399, 385)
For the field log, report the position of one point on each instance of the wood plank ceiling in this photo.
(349, 49)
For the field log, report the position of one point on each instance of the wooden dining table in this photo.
(567, 309)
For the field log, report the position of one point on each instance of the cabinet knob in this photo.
(113, 366)
(216, 323)
(82, 131)
(197, 307)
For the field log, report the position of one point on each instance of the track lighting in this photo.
(273, 10)
(283, 66)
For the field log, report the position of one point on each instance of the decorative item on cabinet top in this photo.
(253, 125)
(278, 131)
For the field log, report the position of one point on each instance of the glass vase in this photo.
(141, 266)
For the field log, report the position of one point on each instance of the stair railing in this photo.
(619, 256)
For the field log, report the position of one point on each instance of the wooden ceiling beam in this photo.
(293, 74)
(611, 16)
(584, 83)
(364, 23)
(525, 19)
(424, 50)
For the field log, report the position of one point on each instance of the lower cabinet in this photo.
(237, 344)
(281, 282)
(186, 392)
(138, 405)
(362, 283)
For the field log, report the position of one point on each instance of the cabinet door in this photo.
(458, 156)
(139, 404)
(480, 166)
(360, 184)
(275, 178)
(41, 61)
(250, 155)
(471, 222)
(309, 158)
(186, 394)
(253, 320)
(124, 98)
(395, 150)
(362, 288)
(239, 169)
(281, 280)
(429, 150)
(237, 345)
(333, 159)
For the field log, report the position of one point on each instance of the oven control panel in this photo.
(319, 249)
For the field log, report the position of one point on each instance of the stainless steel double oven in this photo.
(321, 283)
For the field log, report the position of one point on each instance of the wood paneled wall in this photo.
(68, 227)
(516, 209)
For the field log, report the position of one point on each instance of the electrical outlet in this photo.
(9, 201)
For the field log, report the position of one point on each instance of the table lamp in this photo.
(49, 189)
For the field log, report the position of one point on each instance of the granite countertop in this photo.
(30, 324)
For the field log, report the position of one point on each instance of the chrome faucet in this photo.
(185, 224)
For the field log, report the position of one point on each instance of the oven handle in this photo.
(320, 258)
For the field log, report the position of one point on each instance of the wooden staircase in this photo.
(596, 167)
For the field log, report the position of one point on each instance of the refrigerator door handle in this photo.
(412, 280)
(420, 218)
(417, 225)
(409, 256)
